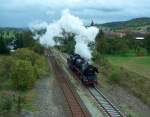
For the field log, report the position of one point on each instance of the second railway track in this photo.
(73, 103)
(106, 106)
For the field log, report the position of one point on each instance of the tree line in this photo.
(22, 39)
(117, 45)
(106, 45)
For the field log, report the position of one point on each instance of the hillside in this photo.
(138, 23)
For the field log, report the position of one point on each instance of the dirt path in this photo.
(50, 101)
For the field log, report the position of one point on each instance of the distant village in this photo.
(121, 34)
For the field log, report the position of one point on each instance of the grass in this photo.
(133, 73)
(8, 98)
(139, 65)
(30, 96)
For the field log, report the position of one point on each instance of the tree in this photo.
(117, 46)
(37, 61)
(19, 41)
(24, 39)
(67, 42)
(22, 75)
(130, 40)
(3, 46)
(5, 67)
(101, 43)
(100, 34)
(147, 43)
(26, 54)
(28, 40)
(148, 29)
(38, 48)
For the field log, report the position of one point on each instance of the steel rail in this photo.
(108, 108)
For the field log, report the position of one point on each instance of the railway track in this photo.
(73, 103)
(108, 108)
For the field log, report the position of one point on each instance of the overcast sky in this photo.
(21, 13)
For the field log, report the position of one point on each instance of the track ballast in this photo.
(109, 109)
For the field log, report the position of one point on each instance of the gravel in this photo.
(50, 100)
(84, 95)
(127, 102)
(124, 100)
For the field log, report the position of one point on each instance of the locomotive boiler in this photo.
(84, 70)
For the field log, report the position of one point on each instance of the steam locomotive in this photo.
(85, 71)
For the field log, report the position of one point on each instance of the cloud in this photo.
(49, 10)
(58, 4)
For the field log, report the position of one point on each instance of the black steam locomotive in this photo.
(85, 71)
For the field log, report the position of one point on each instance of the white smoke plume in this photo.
(69, 23)
(36, 26)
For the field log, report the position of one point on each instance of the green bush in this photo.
(41, 67)
(6, 103)
(147, 42)
(23, 75)
(26, 54)
(3, 46)
(104, 66)
(21, 69)
(5, 67)
(141, 52)
(38, 48)
(117, 74)
(115, 77)
(36, 60)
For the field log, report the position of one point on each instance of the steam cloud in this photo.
(69, 23)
